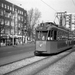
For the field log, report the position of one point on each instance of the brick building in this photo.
(13, 23)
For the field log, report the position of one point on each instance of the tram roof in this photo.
(50, 25)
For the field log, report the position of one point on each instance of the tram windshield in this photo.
(46, 35)
(41, 35)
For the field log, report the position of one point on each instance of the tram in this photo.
(52, 39)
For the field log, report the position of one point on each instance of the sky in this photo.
(48, 8)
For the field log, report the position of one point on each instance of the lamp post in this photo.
(22, 30)
(22, 35)
(0, 34)
(10, 14)
(13, 23)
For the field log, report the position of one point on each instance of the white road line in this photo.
(19, 64)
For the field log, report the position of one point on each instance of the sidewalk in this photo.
(17, 46)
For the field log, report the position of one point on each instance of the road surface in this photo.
(11, 54)
(12, 50)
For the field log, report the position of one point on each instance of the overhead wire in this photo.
(73, 2)
(49, 5)
(50, 8)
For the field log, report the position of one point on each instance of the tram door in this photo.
(55, 35)
(51, 45)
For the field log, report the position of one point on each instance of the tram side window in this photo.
(50, 35)
(62, 35)
(59, 35)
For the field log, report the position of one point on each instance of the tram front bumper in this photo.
(40, 52)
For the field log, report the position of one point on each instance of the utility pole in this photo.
(61, 17)
(0, 34)
(12, 14)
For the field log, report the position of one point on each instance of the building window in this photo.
(2, 5)
(24, 21)
(18, 11)
(6, 14)
(25, 14)
(2, 30)
(21, 18)
(21, 25)
(7, 31)
(18, 24)
(5, 6)
(1, 12)
(12, 17)
(18, 17)
(7, 22)
(19, 32)
(1, 21)
(10, 8)
(22, 13)
(13, 8)
(12, 31)
(12, 23)
(9, 14)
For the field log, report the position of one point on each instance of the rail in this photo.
(35, 65)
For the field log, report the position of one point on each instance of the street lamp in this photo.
(0, 34)
(10, 15)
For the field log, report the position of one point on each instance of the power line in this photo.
(48, 5)
(73, 2)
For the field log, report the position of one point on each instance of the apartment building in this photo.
(13, 23)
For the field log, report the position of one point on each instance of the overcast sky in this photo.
(47, 9)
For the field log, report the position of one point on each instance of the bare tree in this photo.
(33, 17)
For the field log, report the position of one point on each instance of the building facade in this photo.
(13, 24)
(70, 21)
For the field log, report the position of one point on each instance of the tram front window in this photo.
(41, 35)
(46, 35)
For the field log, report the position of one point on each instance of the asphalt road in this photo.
(11, 54)
(12, 50)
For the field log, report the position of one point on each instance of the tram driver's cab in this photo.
(45, 40)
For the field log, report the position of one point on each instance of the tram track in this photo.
(14, 58)
(15, 61)
(37, 65)
(18, 64)
(31, 65)
(61, 67)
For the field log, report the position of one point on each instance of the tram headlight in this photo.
(40, 45)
